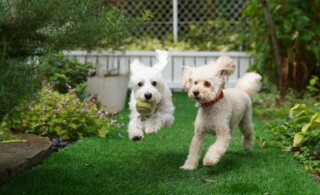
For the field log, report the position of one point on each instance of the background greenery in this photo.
(298, 34)
(30, 30)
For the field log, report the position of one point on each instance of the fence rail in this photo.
(119, 62)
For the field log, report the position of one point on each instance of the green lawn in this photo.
(118, 166)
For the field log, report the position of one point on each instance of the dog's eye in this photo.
(154, 83)
(207, 84)
(140, 84)
(196, 82)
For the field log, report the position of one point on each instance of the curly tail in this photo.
(250, 83)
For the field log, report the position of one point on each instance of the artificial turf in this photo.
(116, 165)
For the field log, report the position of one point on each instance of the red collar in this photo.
(207, 104)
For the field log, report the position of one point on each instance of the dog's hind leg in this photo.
(217, 150)
(247, 130)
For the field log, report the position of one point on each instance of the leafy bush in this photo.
(298, 34)
(61, 71)
(300, 133)
(61, 115)
(314, 86)
(17, 80)
(30, 30)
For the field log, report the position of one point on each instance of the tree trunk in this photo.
(275, 44)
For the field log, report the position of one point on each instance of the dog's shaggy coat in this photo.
(218, 116)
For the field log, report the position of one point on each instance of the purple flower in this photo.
(116, 113)
(122, 125)
(47, 91)
(65, 104)
(106, 114)
(58, 109)
(113, 121)
(72, 91)
(83, 110)
(44, 110)
(30, 106)
(67, 85)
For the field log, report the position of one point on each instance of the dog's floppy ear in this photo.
(136, 65)
(163, 59)
(186, 77)
(226, 66)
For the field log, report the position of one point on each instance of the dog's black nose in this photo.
(196, 93)
(148, 96)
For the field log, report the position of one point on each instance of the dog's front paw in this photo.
(136, 138)
(151, 130)
(135, 134)
(188, 167)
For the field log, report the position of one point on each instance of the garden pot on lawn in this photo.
(110, 90)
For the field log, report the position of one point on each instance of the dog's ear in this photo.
(136, 65)
(186, 77)
(163, 59)
(226, 66)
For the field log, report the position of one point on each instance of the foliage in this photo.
(61, 71)
(17, 80)
(32, 29)
(204, 38)
(197, 38)
(61, 115)
(298, 33)
(314, 86)
(300, 133)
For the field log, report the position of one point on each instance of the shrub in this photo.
(61, 71)
(32, 29)
(17, 79)
(61, 115)
(298, 34)
(300, 133)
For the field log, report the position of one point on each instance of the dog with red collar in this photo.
(220, 110)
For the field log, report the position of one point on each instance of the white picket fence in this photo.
(119, 62)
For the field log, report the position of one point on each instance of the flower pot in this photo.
(110, 90)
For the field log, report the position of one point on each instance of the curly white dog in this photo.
(220, 110)
(150, 88)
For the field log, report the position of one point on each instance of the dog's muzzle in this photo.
(148, 96)
(196, 95)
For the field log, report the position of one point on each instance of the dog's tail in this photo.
(250, 83)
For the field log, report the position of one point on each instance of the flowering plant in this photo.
(62, 115)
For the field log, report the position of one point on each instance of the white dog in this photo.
(149, 85)
(220, 110)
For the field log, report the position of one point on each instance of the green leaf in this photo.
(305, 128)
(298, 137)
(315, 118)
(73, 126)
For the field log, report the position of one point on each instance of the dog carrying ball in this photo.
(145, 108)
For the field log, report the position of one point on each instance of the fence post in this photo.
(175, 20)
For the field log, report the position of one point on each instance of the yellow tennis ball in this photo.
(145, 108)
